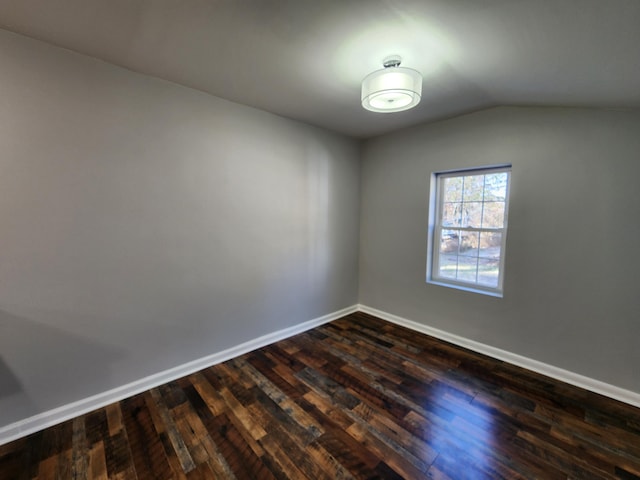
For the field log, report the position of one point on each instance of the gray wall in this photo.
(572, 276)
(144, 225)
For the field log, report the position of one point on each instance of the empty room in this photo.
(278, 239)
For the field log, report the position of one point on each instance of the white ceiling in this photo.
(305, 59)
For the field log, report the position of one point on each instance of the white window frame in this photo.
(436, 228)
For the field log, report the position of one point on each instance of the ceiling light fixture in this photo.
(392, 89)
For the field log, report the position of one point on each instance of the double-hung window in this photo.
(469, 229)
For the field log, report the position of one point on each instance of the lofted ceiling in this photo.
(305, 59)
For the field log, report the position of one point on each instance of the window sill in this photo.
(467, 288)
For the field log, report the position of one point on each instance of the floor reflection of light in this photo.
(459, 431)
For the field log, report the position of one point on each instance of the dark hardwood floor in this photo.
(356, 398)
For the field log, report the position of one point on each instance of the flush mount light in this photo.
(392, 89)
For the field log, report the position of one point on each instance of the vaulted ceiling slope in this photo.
(305, 59)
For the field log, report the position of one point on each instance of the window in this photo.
(469, 229)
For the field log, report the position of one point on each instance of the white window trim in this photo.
(435, 231)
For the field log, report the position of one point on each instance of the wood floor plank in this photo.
(286, 403)
(193, 442)
(329, 464)
(118, 456)
(399, 460)
(240, 413)
(79, 448)
(216, 461)
(281, 458)
(146, 447)
(350, 454)
(357, 398)
(97, 468)
(394, 431)
(239, 454)
(114, 418)
(65, 467)
(208, 393)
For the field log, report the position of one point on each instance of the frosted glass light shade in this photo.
(391, 89)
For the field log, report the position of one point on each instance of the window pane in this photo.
(493, 215)
(495, 186)
(473, 188)
(451, 214)
(472, 214)
(469, 244)
(448, 266)
(488, 270)
(467, 269)
(452, 189)
(490, 245)
(449, 241)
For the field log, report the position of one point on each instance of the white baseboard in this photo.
(58, 415)
(49, 418)
(611, 391)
